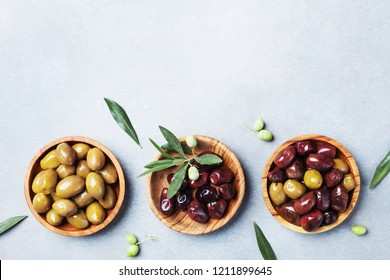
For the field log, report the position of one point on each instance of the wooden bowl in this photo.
(342, 153)
(65, 228)
(180, 221)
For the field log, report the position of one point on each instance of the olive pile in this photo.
(212, 192)
(309, 184)
(75, 184)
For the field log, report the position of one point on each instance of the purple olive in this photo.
(333, 178)
(202, 180)
(183, 186)
(217, 208)
(221, 175)
(330, 216)
(312, 220)
(288, 213)
(197, 211)
(339, 198)
(183, 199)
(206, 168)
(326, 149)
(296, 169)
(305, 204)
(167, 205)
(277, 175)
(285, 157)
(206, 194)
(319, 162)
(305, 147)
(323, 198)
(227, 191)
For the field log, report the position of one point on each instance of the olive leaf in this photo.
(158, 167)
(264, 246)
(165, 154)
(158, 163)
(168, 147)
(172, 141)
(10, 222)
(120, 116)
(177, 181)
(381, 171)
(208, 159)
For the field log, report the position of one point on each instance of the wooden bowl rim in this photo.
(228, 216)
(353, 169)
(92, 228)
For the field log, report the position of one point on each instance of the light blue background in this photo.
(196, 67)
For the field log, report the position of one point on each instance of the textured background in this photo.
(196, 67)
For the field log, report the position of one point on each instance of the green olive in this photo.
(81, 150)
(95, 213)
(95, 159)
(55, 197)
(45, 181)
(348, 182)
(65, 154)
(109, 199)
(78, 220)
(312, 179)
(341, 165)
(108, 173)
(41, 203)
(50, 160)
(83, 199)
(64, 171)
(294, 189)
(53, 218)
(277, 194)
(70, 186)
(65, 207)
(82, 169)
(95, 185)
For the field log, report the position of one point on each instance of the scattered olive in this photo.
(359, 230)
(131, 239)
(132, 251)
(265, 135)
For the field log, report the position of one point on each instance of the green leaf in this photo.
(158, 163)
(381, 171)
(264, 246)
(120, 116)
(177, 181)
(165, 154)
(172, 141)
(179, 161)
(157, 168)
(168, 147)
(208, 159)
(9, 223)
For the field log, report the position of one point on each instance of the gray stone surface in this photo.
(199, 67)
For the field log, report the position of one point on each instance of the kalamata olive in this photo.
(221, 175)
(333, 178)
(294, 189)
(206, 168)
(326, 149)
(330, 216)
(323, 198)
(167, 205)
(183, 199)
(202, 180)
(312, 220)
(206, 194)
(319, 162)
(341, 165)
(296, 169)
(217, 208)
(197, 211)
(227, 191)
(339, 198)
(305, 204)
(288, 213)
(277, 194)
(183, 186)
(305, 147)
(277, 175)
(285, 157)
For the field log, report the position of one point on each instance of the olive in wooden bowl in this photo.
(204, 205)
(311, 183)
(74, 186)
